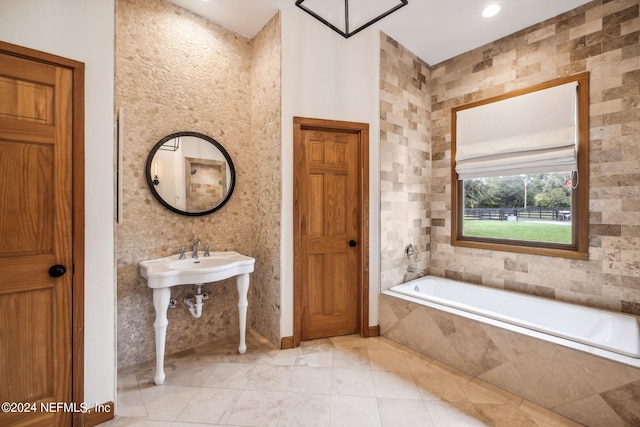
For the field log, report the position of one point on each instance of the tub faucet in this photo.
(409, 251)
(412, 273)
(196, 243)
(414, 270)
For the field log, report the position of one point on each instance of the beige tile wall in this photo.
(267, 137)
(405, 155)
(602, 38)
(176, 71)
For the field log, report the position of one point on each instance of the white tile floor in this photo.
(341, 381)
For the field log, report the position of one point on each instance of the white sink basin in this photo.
(171, 271)
(162, 273)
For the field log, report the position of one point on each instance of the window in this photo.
(520, 170)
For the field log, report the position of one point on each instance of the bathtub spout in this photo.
(412, 274)
(415, 270)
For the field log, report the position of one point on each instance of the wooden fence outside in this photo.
(506, 214)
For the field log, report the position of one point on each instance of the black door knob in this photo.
(353, 243)
(57, 270)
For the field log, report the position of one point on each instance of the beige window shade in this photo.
(530, 133)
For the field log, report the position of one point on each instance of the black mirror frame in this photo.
(207, 138)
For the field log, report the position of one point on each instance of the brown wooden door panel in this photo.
(328, 204)
(26, 270)
(26, 222)
(28, 71)
(329, 292)
(32, 339)
(26, 100)
(22, 130)
(36, 141)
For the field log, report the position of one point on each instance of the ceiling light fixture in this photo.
(491, 10)
(341, 18)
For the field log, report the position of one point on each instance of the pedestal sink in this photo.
(163, 273)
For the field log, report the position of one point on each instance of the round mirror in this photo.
(190, 173)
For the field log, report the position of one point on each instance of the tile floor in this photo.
(341, 381)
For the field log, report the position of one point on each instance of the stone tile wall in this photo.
(600, 37)
(266, 134)
(176, 71)
(589, 389)
(405, 155)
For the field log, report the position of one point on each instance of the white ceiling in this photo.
(435, 30)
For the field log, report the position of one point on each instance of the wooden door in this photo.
(329, 216)
(36, 235)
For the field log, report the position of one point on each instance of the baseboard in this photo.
(373, 331)
(99, 414)
(286, 342)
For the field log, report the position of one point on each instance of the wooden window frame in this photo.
(579, 248)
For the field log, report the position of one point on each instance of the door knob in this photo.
(57, 270)
(353, 243)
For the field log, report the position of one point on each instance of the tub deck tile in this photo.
(619, 398)
(582, 386)
(592, 411)
(546, 417)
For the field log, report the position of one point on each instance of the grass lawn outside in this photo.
(535, 231)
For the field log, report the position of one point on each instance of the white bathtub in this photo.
(608, 334)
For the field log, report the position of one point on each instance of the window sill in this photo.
(532, 250)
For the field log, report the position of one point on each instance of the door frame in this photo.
(77, 304)
(301, 124)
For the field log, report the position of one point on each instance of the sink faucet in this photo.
(196, 243)
(182, 255)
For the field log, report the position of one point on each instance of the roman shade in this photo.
(531, 133)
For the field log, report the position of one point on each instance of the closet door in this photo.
(36, 264)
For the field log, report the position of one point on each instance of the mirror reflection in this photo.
(190, 173)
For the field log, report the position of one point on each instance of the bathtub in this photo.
(607, 334)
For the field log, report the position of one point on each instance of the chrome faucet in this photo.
(182, 255)
(196, 243)
(206, 250)
(414, 270)
(409, 251)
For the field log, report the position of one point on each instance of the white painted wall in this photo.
(84, 31)
(325, 76)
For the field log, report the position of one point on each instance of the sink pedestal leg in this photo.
(242, 282)
(161, 299)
